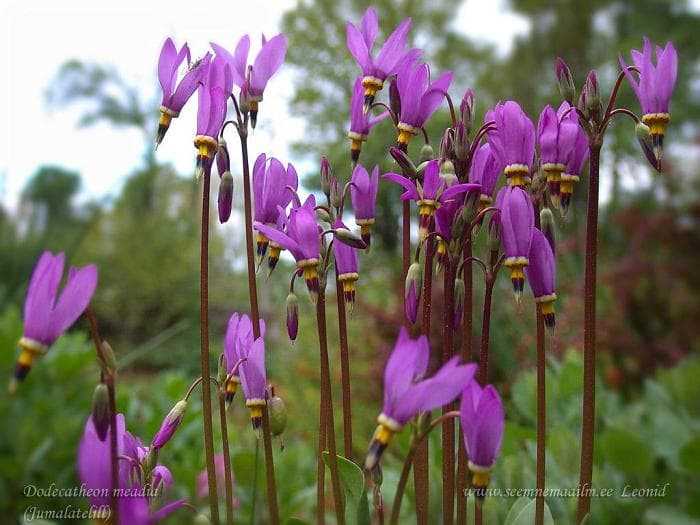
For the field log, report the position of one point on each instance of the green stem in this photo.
(228, 481)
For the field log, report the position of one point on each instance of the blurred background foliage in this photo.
(145, 241)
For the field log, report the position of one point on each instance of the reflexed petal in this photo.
(74, 299)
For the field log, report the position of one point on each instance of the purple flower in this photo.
(239, 337)
(431, 194)
(513, 141)
(48, 314)
(360, 42)
(240, 343)
(169, 426)
(516, 223)
(541, 274)
(95, 472)
(253, 79)
(419, 98)
(485, 171)
(175, 97)
(361, 122)
(557, 133)
(406, 393)
(211, 112)
(273, 189)
(363, 193)
(483, 422)
(654, 87)
(578, 154)
(346, 264)
(302, 239)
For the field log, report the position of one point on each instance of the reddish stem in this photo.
(448, 426)
(344, 369)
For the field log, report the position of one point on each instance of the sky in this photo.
(38, 36)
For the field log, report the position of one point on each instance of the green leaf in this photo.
(626, 451)
(351, 476)
(363, 515)
(523, 513)
(690, 455)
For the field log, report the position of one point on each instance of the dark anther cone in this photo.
(160, 134)
(369, 100)
(272, 263)
(253, 117)
(374, 454)
(228, 397)
(354, 155)
(21, 371)
(564, 202)
(256, 421)
(366, 238)
(261, 249)
(550, 320)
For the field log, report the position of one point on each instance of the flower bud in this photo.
(426, 153)
(408, 168)
(292, 316)
(277, 412)
(221, 371)
(223, 160)
(447, 173)
(394, 97)
(461, 142)
(565, 80)
(414, 284)
(548, 228)
(466, 108)
(108, 363)
(100, 410)
(643, 134)
(323, 215)
(225, 197)
(169, 425)
(350, 238)
(335, 197)
(326, 175)
(446, 145)
(458, 302)
(592, 102)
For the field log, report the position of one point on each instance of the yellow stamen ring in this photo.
(372, 85)
(657, 122)
(517, 174)
(205, 145)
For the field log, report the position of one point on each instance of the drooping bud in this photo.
(169, 425)
(100, 410)
(394, 97)
(323, 215)
(401, 158)
(643, 134)
(326, 174)
(547, 226)
(466, 108)
(350, 238)
(565, 80)
(335, 197)
(592, 101)
(225, 200)
(459, 302)
(108, 363)
(446, 145)
(426, 153)
(277, 412)
(414, 284)
(292, 316)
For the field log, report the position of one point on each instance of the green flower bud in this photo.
(426, 153)
(350, 238)
(277, 411)
(100, 410)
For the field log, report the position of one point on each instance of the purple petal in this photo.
(267, 63)
(74, 299)
(167, 67)
(370, 27)
(393, 49)
(253, 377)
(280, 238)
(357, 46)
(541, 272)
(188, 84)
(434, 96)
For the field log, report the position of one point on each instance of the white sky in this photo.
(37, 36)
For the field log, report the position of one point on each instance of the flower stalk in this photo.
(344, 369)
(448, 427)
(228, 481)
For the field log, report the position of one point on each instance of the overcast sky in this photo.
(37, 36)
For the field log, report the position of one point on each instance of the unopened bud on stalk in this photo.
(323, 215)
(426, 153)
(494, 240)
(169, 425)
(277, 411)
(592, 99)
(407, 167)
(225, 200)
(100, 410)
(350, 238)
(326, 175)
(461, 142)
(547, 226)
(292, 316)
(447, 173)
(565, 80)
(446, 145)
(466, 108)
(336, 196)
(414, 284)
(108, 363)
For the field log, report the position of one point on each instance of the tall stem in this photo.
(589, 319)
(204, 349)
(467, 327)
(328, 408)
(113, 447)
(344, 369)
(541, 418)
(320, 467)
(228, 481)
(255, 314)
(421, 470)
(448, 425)
(483, 373)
